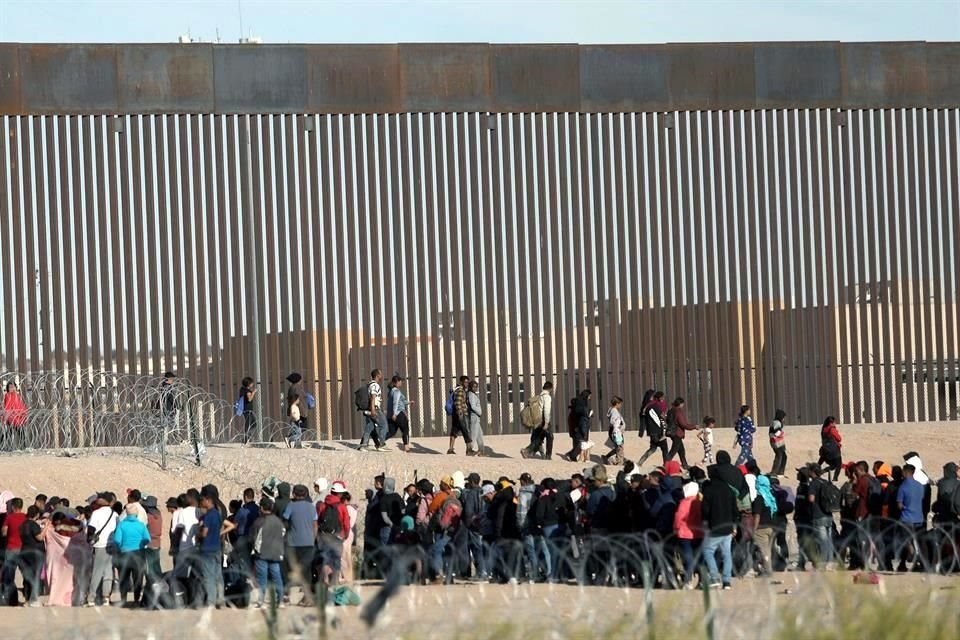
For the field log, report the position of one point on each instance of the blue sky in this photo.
(583, 21)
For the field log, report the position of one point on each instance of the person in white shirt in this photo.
(375, 421)
(543, 433)
(134, 497)
(186, 524)
(102, 523)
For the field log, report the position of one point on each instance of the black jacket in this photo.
(543, 513)
(719, 508)
(504, 515)
(726, 472)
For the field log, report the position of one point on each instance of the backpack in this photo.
(450, 514)
(875, 497)
(829, 498)
(531, 416)
(448, 405)
(361, 397)
(238, 407)
(654, 428)
(330, 521)
(311, 401)
(672, 427)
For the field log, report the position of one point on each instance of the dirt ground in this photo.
(468, 607)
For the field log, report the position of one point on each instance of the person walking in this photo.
(295, 437)
(458, 412)
(778, 443)
(267, 533)
(744, 434)
(705, 436)
(652, 418)
(579, 425)
(474, 413)
(830, 444)
(677, 424)
(543, 433)
(763, 509)
(375, 422)
(615, 432)
(397, 418)
(246, 398)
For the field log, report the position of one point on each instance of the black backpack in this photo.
(361, 397)
(653, 429)
(830, 497)
(672, 426)
(330, 521)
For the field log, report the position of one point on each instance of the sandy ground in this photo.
(233, 468)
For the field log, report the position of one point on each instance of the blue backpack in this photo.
(448, 406)
(311, 401)
(238, 407)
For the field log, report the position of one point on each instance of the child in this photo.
(616, 429)
(706, 437)
(296, 422)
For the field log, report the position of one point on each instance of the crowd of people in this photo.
(695, 526)
(692, 524)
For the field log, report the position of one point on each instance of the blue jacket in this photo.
(131, 535)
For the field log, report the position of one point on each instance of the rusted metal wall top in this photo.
(203, 78)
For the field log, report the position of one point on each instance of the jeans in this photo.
(296, 435)
(249, 426)
(375, 426)
(209, 570)
(436, 553)
(478, 550)
(710, 545)
(537, 545)
(263, 567)
(823, 531)
(385, 535)
(101, 581)
(688, 549)
(746, 454)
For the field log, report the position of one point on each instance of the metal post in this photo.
(254, 262)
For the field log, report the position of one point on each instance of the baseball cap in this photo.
(487, 489)
(447, 480)
(526, 477)
(338, 486)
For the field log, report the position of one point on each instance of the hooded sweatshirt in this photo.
(726, 472)
(391, 504)
(688, 521)
(283, 497)
(947, 487)
(524, 500)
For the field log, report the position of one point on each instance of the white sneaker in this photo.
(383, 447)
(35, 604)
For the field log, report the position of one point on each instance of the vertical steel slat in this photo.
(180, 191)
(29, 232)
(215, 251)
(915, 247)
(930, 270)
(137, 255)
(617, 234)
(712, 297)
(20, 153)
(684, 231)
(565, 386)
(308, 267)
(761, 133)
(363, 340)
(68, 192)
(895, 362)
(815, 286)
(530, 303)
(198, 233)
(440, 295)
(582, 308)
(756, 331)
(605, 261)
(851, 409)
(781, 335)
(43, 359)
(861, 208)
(284, 302)
(265, 182)
(324, 198)
(451, 247)
(102, 299)
(793, 243)
(9, 169)
(946, 188)
(878, 329)
(466, 166)
(500, 311)
(386, 263)
(346, 332)
(224, 301)
(697, 297)
(416, 389)
(148, 232)
(951, 145)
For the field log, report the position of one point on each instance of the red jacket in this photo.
(332, 501)
(831, 432)
(680, 418)
(14, 411)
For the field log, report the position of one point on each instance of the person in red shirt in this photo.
(861, 488)
(11, 531)
(830, 443)
(332, 533)
(14, 415)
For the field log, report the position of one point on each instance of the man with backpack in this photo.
(456, 408)
(825, 499)
(301, 520)
(536, 416)
(333, 524)
(369, 401)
